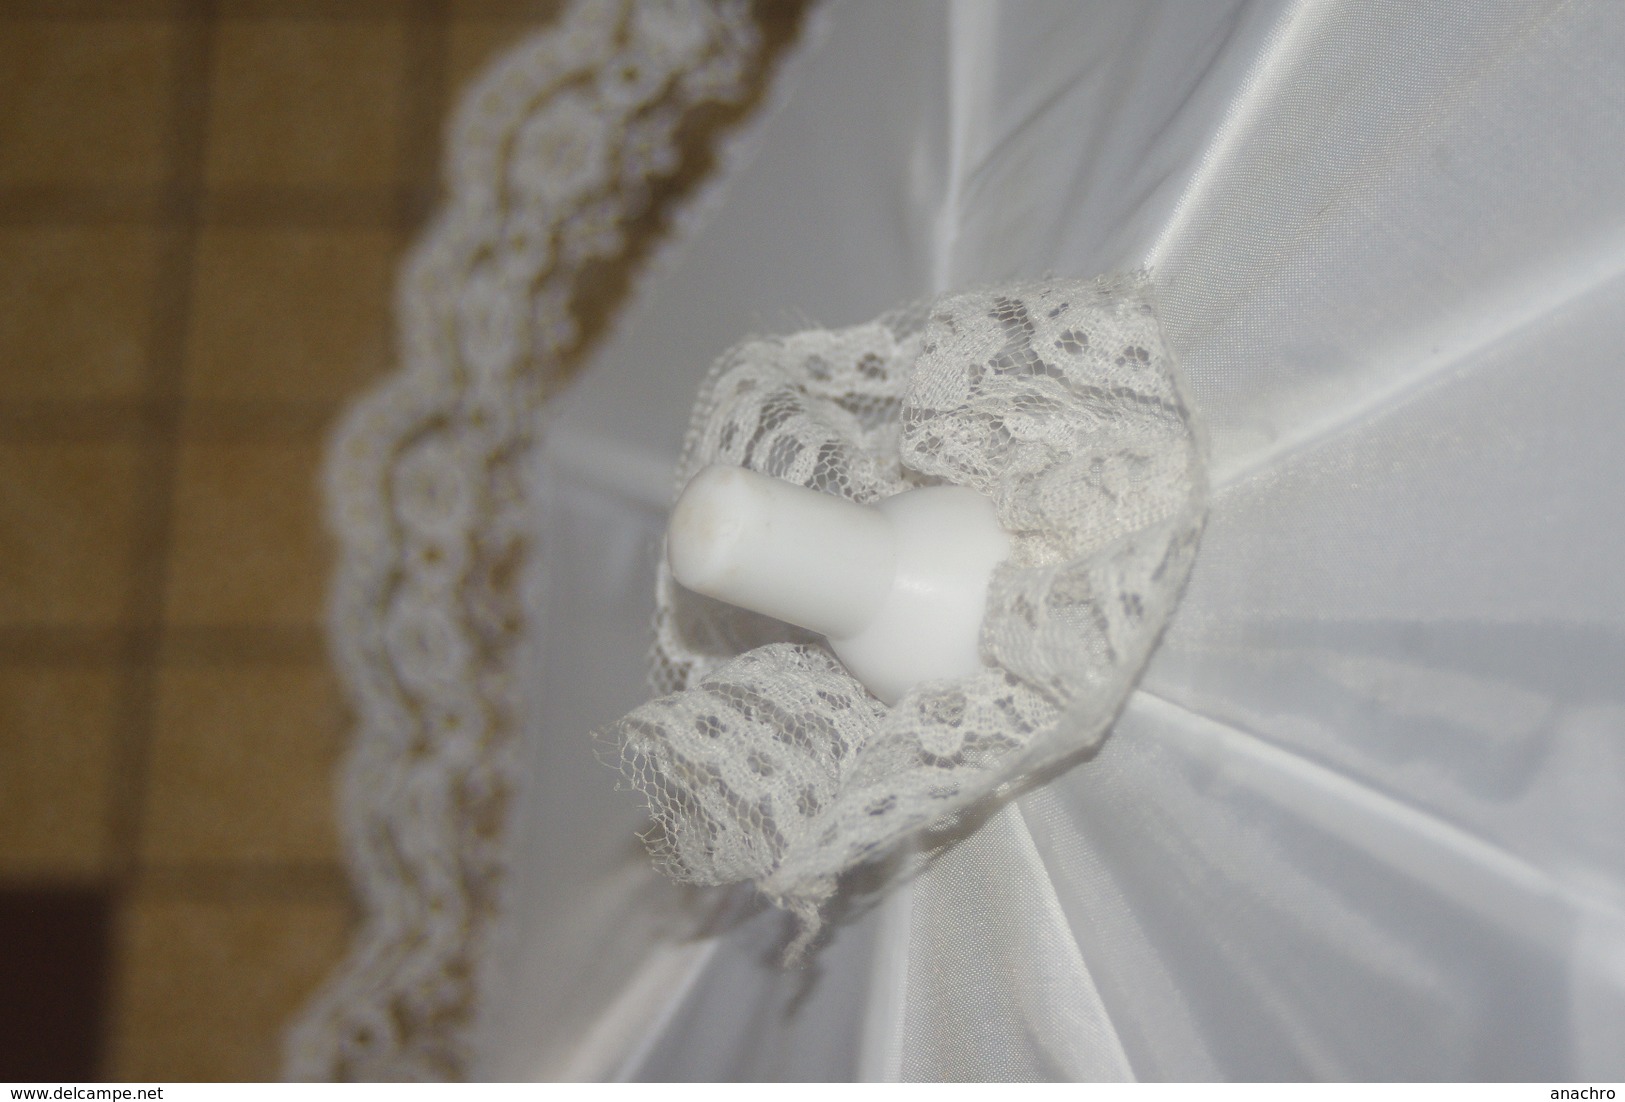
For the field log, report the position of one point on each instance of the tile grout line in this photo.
(270, 420)
(40, 646)
(157, 462)
(165, 382)
(68, 11)
(260, 879)
(314, 207)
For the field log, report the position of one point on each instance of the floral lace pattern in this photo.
(766, 761)
(557, 150)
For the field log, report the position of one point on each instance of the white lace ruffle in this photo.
(767, 762)
(554, 152)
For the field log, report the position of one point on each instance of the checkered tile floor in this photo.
(201, 206)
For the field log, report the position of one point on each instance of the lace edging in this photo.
(553, 153)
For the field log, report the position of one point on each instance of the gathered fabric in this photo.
(764, 760)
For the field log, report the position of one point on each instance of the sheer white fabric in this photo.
(1363, 817)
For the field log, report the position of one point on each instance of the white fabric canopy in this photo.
(1365, 816)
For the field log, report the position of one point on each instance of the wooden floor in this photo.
(201, 207)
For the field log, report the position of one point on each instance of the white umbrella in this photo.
(1363, 816)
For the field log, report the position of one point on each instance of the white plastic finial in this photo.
(898, 587)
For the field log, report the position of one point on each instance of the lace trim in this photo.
(766, 761)
(583, 131)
